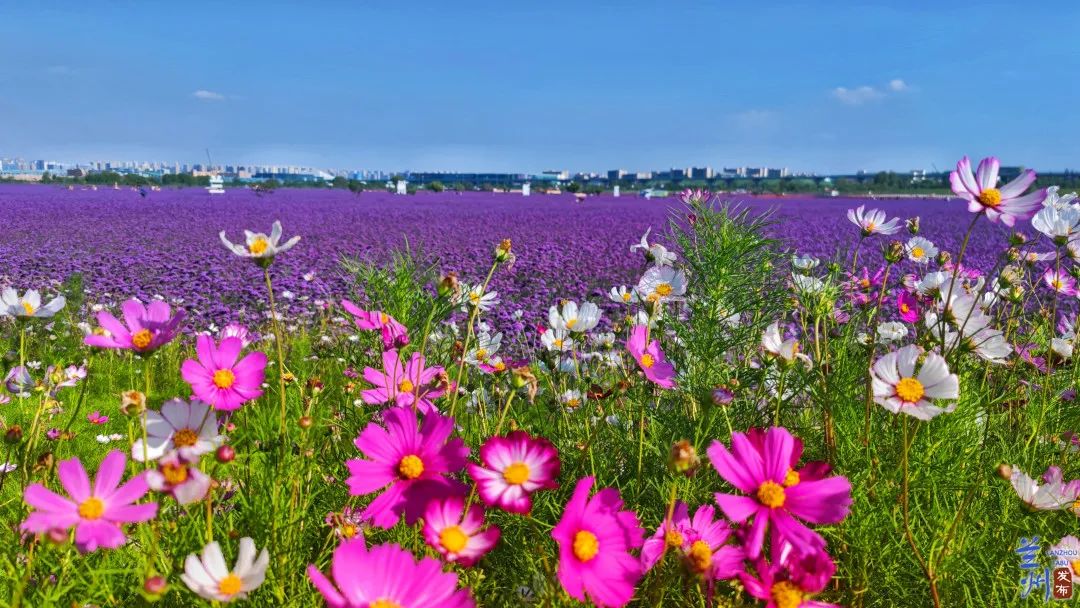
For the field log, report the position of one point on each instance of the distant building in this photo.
(734, 172)
(615, 175)
(701, 173)
(777, 173)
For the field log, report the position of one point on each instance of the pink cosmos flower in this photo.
(1060, 281)
(95, 512)
(95, 417)
(907, 305)
(983, 196)
(513, 468)
(410, 467)
(147, 329)
(404, 384)
(792, 579)
(180, 478)
(650, 358)
(699, 542)
(394, 334)
(221, 380)
(387, 576)
(595, 537)
(775, 496)
(457, 536)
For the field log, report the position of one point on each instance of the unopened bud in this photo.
(683, 458)
(449, 286)
(913, 225)
(14, 434)
(943, 258)
(132, 403)
(1013, 254)
(502, 251)
(894, 252)
(305, 422)
(1004, 471)
(225, 454)
(155, 585)
(1017, 239)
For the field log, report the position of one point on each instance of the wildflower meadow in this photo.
(697, 401)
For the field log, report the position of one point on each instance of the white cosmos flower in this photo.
(873, 222)
(899, 389)
(572, 400)
(486, 346)
(920, 250)
(662, 284)
(1053, 199)
(1050, 496)
(557, 340)
(259, 246)
(603, 340)
(891, 331)
(930, 285)
(29, 305)
(788, 350)
(655, 253)
(475, 296)
(188, 428)
(1061, 224)
(573, 318)
(1033, 257)
(1062, 347)
(210, 578)
(622, 295)
(807, 285)
(804, 262)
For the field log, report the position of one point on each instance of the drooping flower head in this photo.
(774, 495)
(595, 537)
(145, 328)
(899, 389)
(655, 252)
(210, 578)
(96, 512)
(407, 465)
(404, 384)
(459, 537)
(260, 247)
(394, 334)
(650, 358)
(1008, 203)
(512, 468)
(28, 306)
(787, 351)
(387, 576)
(220, 377)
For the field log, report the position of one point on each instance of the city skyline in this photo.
(488, 87)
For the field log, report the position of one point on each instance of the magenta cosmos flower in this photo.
(387, 576)
(907, 306)
(457, 536)
(404, 384)
(221, 380)
(595, 538)
(95, 512)
(513, 468)
(394, 334)
(650, 358)
(792, 579)
(145, 328)
(409, 466)
(777, 495)
(983, 196)
(699, 542)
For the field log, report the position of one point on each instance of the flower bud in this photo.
(1013, 254)
(894, 252)
(943, 258)
(683, 458)
(225, 454)
(132, 403)
(13, 435)
(913, 225)
(154, 586)
(315, 385)
(57, 536)
(1004, 471)
(449, 286)
(288, 377)
(1018, 239)
(305, 422)
(502, 251)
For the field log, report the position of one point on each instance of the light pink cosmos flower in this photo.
(1060, 281)
(460, 538)
(147, 328)
(410, 467)
(699, 542)
(219, 378)
(1009, 203)
(387, 576)
(403, 384)
(792, 579)
(236, 330)
(650, 358)
(394, 334)
(775, 497)
(900, 390)
(595, 537)
(95, 512)
(180, 478)
(513, 468)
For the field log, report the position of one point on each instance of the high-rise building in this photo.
(701, 173)
(616, 174)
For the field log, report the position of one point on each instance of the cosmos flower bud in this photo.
(1017, 239)
(1004, 471)
(1013, 254)
(834, 268)
(288, 377)
(154, 586)
(225, 454)
(722, 396)
(913, 226)
(13, 435)
(58, 536)
(132, 403)
(502, 251)
(943, 258)
(305, 422)
(894, 252)
(315, 385)
(449, 287)
(683, 458)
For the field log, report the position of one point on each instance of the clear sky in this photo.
(526, 86)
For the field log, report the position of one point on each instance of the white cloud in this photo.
(205, 95)
(858, 95)
(897, 85)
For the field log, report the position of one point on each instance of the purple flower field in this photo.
(166, 245)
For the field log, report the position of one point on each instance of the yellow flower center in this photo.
(516, 474)
(453, 539)
(573, 402)
(865, 283)
(224, 378)
(474, 297)
(558, 342)
(499, 366)
(786, 595)
(258, 246)
(411, 467)
(663, 289)
(91, 508)
(991, 197)
(570, 323)
(1075, 565)
(28, 307)
(174, 474)
(910, 390)
(185, 438)
(585, 545)
(871, 226)
(673, 538)
(141, 339)
(771, 494)
(1056, 283)
(348, 531)
(481, 354)
(230, 585)
(904, 308)
(384, 603)
(406, 386)
(791, 478)
(626, 296)
(917, 252)
(699, 556)
(647, 360)
(383, 317)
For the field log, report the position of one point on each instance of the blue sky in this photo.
(508, 86)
